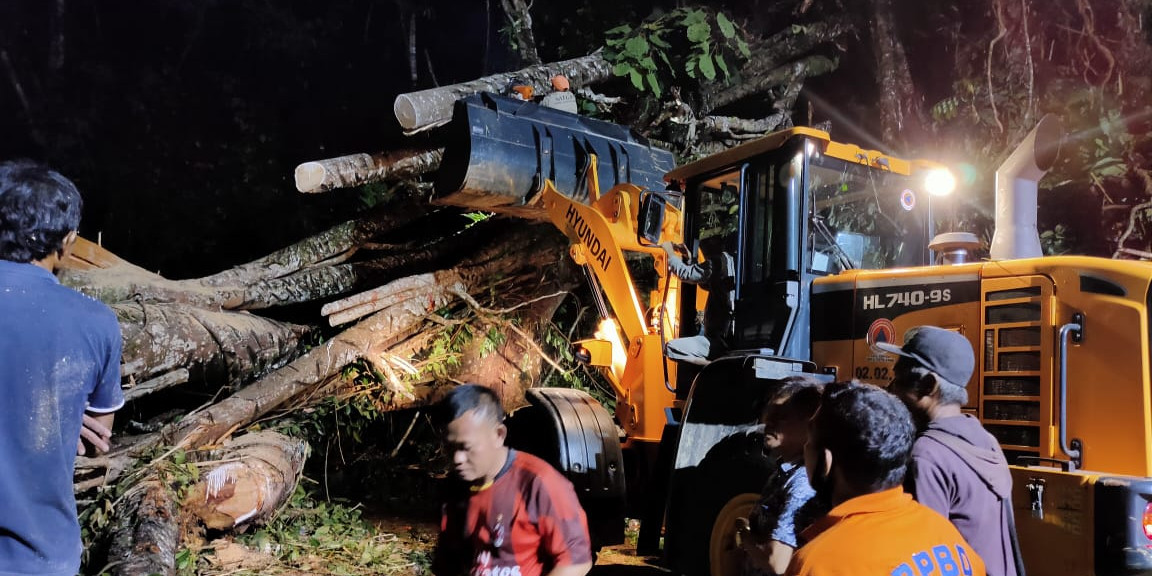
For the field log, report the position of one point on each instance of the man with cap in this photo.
(958, 468)
(560, 98)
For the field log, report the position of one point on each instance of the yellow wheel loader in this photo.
(835, 250)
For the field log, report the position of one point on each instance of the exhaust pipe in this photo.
(1016, 185)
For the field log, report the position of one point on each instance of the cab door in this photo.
(771, 309)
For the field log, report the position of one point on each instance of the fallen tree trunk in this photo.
(124, 281)
(255, 475)
(321, 282)
(165, 380)
(325, 248)
(358, 169)
(315, 268)
(732, 127)
(227, 347)
(370, 337)
(433, 107)
(145, 534)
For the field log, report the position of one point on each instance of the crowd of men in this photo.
(869, 481)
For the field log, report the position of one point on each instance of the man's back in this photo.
(561, 100)
(970, 490)
(57, 347)
(884, 534)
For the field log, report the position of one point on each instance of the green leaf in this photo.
(664, 57)
(699, 32)
(722, 65)
(654, 84)
(694, 17)
(648, 63)
(706, 67)
(636, 47)
(743, 47)
(637, 80)
(621, 69)
(690, 67)
(726, 27)
(658, 40)
(622, 30)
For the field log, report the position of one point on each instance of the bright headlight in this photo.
(940, 182)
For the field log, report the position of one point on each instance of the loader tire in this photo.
(731, 470)
(725, 557)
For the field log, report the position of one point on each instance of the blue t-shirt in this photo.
(59, 352)
(787, 506)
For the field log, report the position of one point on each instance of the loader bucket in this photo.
(500, 151)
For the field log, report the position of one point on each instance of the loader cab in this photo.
(797, 206)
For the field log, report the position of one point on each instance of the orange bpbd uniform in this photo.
(525, 523)
(884, 534)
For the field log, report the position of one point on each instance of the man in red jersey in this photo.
(507, 513)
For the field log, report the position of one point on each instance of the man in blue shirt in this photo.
(59, 373)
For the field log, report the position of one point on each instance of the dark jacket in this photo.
(718, 277)
(968, 488)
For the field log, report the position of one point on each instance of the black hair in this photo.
(798, 395)
(38, 208)
(468, 397)
(868, 431)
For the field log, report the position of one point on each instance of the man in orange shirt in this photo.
(857, 452)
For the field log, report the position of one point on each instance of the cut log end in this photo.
(406, 112)
(310, 177)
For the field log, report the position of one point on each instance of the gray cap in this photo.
(947, 353)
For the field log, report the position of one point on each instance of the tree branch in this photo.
(520, 29)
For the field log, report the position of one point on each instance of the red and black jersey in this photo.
(527, 522)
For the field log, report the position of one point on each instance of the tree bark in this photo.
(732, 127)
(255, 475)
(312, 269)
(773, 55)
(520, 25)
(165, 380)
(516, 363)
(372, 336)
(326, 281)
(227, 347)
(428, 108)
(900, 109)
(376, 299)
(145, 535)
(367, 339)
(56, 42)
(762, 82)
(359, 169)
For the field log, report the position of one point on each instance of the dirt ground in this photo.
(410, 534)
(623, 561)
(613, 561)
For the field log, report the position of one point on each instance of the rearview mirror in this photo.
(651, 218)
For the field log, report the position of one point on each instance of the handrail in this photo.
(1073, 330)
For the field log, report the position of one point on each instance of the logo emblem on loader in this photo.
(881, 330)
(907, 200)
